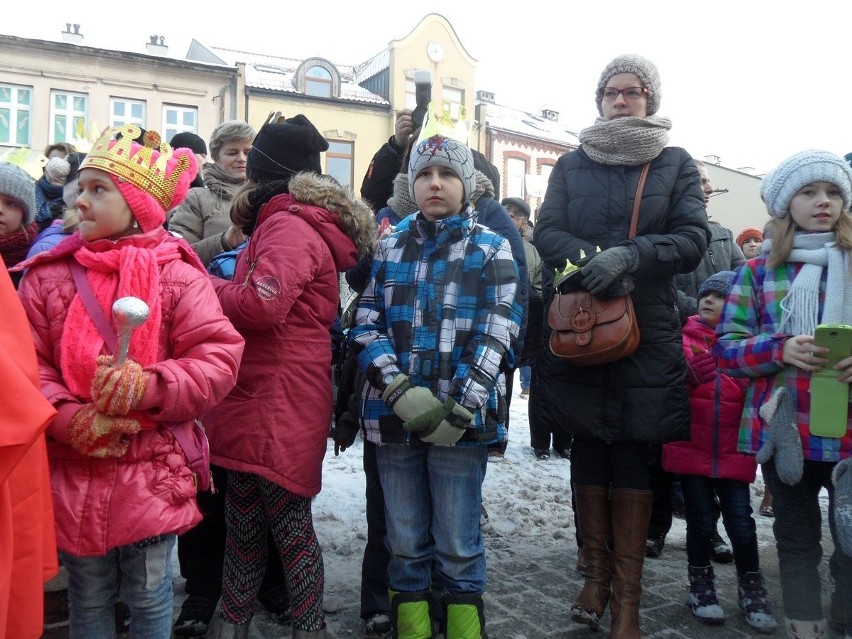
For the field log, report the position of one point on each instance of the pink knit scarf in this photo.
(131, 268)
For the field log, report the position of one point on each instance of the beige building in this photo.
(54, 91)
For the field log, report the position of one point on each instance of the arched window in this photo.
(318, 78)
(318, 82)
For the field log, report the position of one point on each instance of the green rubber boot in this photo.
(411, 614)
(465, 615)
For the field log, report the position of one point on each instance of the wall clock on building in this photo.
(435, 51)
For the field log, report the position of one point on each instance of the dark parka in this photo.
(642, 397)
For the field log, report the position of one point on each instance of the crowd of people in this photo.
(124, 347)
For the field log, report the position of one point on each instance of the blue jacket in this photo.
(440, 306)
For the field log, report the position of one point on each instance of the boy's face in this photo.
(103, 210)
(11, 214)
(710, 308)
(438, 192)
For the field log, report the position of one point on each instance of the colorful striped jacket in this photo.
(440, 307)
(750, 345)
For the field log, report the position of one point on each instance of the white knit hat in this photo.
(441, 151)
(784, 181)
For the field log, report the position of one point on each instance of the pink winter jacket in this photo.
(104, 503)
(717, 407)
(283, 299)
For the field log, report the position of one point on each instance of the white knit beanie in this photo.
(17, 183)
(784, 181)
(441, 151)
(637, 65)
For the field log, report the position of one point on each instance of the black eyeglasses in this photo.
(631, 94)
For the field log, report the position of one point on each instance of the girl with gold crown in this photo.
(122, 489)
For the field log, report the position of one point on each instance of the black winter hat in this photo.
(717, 283)
(188, 140)
(284, 147)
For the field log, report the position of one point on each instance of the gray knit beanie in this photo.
(440, 151)
(717, 283)
(784, 181)
(636, 64)
(17, 183)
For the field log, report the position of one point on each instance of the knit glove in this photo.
(97, 435)
(700, 369)
(783, 443)
(608, 266)
(117, 391)
(443, 426)
(409, 401)
(842, 478)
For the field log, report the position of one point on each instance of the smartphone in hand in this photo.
(830, 398)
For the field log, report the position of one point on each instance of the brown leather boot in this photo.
(631, 510)
(593, 516)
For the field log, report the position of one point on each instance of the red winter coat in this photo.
(104, 503)
(717, 407)
(283, 299)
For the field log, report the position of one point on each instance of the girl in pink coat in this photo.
(709, 463)
(121, 486)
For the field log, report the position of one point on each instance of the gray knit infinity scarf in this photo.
(626, 141)
(800, 307)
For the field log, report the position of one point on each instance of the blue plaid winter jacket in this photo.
(440, 307)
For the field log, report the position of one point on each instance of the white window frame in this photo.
(116, 120)
(170, 130)
(70, 115)
(516, 170)
(17, 112)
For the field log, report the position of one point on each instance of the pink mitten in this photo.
(700, 369)
(97, 435)
(117, 391)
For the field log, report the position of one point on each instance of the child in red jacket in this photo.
(709, 463)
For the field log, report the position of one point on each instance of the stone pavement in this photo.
(529, 596)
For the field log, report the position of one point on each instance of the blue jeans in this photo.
(433, 496)
(735, 500)
(526, 377)
(140, 575)
(798, 534)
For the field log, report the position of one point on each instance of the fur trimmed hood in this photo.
(355, 215)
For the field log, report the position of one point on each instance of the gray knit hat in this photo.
(17, 183)
(636, 64)
(441, 151)
(784, 181)
(717, 283)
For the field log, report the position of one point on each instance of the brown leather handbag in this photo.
(588, 329)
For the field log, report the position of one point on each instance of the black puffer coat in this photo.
(643, 397)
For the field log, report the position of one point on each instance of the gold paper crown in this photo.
(154, 176)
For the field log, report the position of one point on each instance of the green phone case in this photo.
(830, 398)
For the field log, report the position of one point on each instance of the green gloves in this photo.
(445, 426)
(409, 401)
(608, 266)
(434, 421)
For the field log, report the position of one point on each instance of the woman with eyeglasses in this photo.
(204, 217)
(615, 411)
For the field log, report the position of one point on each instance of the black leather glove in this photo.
(608, 266)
